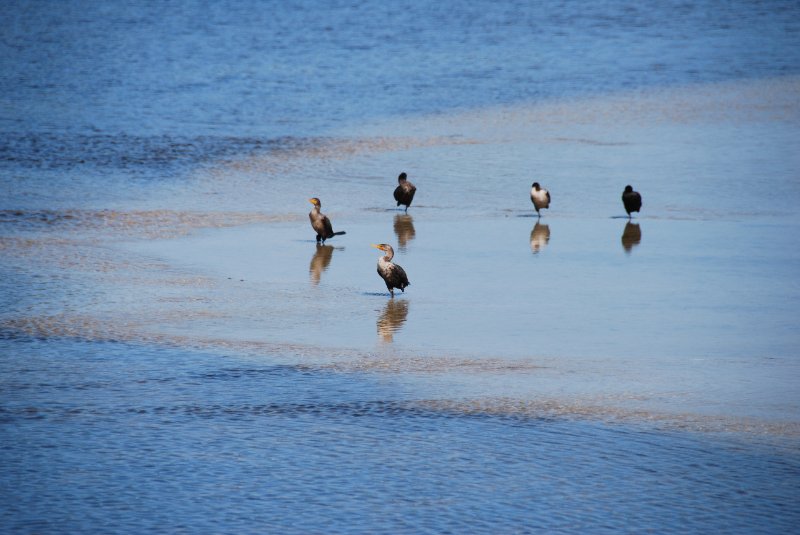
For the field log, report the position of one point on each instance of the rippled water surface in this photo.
(177, 354)
(128, 438)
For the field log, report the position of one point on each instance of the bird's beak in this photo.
(311, 201)
(377, 247)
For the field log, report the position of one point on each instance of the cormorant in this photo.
(393, 275)
(320, 222)
(540, 197)
(632, 200)
(404, 192)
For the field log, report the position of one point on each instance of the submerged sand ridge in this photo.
(177, 353)
(700, 298)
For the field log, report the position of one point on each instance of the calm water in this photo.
(178, 355)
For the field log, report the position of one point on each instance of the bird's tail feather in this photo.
(339, 233)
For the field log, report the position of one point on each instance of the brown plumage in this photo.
(393, 275)
(540, 197)
(320, 222)
(404, 192)
(632, 200)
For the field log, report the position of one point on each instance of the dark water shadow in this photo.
(392, 318)
(631, 236)
(320, 262)
(540, 237)
(404, 230)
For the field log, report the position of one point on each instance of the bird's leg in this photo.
(391, 291)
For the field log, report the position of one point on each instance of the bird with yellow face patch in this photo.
(320, 222)
(393, 275)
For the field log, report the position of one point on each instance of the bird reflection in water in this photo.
(320, 262)
(404, 229)
(631, 236)
(392, 318)
(540, 235)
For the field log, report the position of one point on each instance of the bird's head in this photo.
(535, 185)
(383, 247)
(402, 177)
(628, 189)
(315, 202)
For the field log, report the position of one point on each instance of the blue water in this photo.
(132, 84)
(118, 438)
(574, 374)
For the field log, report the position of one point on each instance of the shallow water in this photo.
(177, 354)
(191, 441)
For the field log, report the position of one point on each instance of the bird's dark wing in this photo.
(328, 227)
(632, 201)
(399, 275)
(412, 189)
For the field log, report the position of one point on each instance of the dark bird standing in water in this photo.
(540, 198)
(320, 222)
(632, 200)
(404, 192)
(393, 275)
